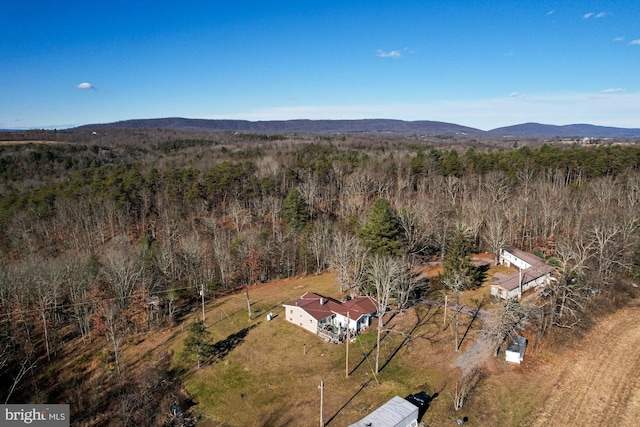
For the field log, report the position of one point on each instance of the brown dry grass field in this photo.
(269, 371)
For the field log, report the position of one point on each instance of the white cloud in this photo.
(551, 12)
(635, 42)
(85, 86)
(614, 90)
(619, 39)
(595, 15)
(516, 95)
(391, 54)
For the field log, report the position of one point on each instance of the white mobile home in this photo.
(397, 412)
(532, 272)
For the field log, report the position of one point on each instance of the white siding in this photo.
(509, 259)
(354, 324)
(298, 316)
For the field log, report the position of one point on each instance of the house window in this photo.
(291, 311)
(310, 320)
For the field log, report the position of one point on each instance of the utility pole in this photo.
(444, 321)
(202, 295)
(519, 282)
(321, 387)
(346, 369)
(246, 294)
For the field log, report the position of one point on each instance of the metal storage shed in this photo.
(397, 412)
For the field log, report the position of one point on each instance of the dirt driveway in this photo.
(599, 383)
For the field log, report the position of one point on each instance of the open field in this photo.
(597, 384)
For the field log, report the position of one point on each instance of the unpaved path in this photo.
(599, 384)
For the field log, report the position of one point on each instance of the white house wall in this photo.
(364, 322)
(515, 293)
(354, 324)
(300, 317)
(510, 259)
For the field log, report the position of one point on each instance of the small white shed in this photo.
(515, 350)
(397, 412)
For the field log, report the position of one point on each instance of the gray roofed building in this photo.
(532, 272)
(397, 412)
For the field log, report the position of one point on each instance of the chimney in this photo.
(321, 301)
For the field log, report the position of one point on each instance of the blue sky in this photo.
(478, 63)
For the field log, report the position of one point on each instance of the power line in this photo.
(95, 301)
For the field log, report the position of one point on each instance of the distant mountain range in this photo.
(579, 130)
(423, 127)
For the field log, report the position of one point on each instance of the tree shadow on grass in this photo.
(481, 273)
(222, 348)
(366, 354)
(474, 315)
(216, 352)
(278, 417)
(409, 336)
(362, 386)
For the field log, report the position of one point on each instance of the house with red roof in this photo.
(532, 272)
(329, 318)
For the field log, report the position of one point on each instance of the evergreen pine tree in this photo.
(382, 231)
(197, 345)
(457, 263)
(295, 210)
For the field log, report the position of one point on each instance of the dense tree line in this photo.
(85, 248)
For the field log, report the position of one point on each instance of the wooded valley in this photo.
(107, 236)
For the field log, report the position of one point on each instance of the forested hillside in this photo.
(94, 226)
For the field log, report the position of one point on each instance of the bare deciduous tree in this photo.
(122, 269)
(456, 282)
(239, 214)
(319, 242)
(496, 233)
(344, 245)
(384, 273)
(408, 286)
(414, 234)
(310, 188)
(47, 283)
(508, 321)
(569, 294)
(468, 382)
(191, 251)
(80, 274)
(498, 186)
